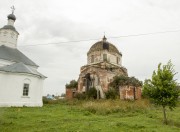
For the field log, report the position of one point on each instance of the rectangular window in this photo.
(25, 89)
(104, 57)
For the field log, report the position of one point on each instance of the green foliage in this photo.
(50, 101)
(63, 95)
(124, 80)
(72, 84)
(92, 93)
(88, 116)
(106, 107)
(80, 96)
(162, 88)
(134, 82)
(111, 94)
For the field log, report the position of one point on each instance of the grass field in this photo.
(89, 116)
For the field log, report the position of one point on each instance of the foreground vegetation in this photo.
(89, 116)
(162, 89)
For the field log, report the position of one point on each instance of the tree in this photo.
(162, 88)
(119, 81)
(124, 80)
(72, 84)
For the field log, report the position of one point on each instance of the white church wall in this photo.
(8, 38)
(11, 87)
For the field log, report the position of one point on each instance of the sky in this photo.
(52, 26)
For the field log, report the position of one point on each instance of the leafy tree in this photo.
(124, 80)
(118, 81)
(72, 84)
(134, 82)
(162, 88)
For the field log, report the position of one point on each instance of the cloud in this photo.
(42, 22)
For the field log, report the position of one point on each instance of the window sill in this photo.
(25, 97)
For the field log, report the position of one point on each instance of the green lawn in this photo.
(90, 116)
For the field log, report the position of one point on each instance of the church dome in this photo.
(11, 16)
(104, 45)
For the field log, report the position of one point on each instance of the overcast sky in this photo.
(54, 21)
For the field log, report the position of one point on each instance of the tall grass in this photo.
(76, 116)
(104, 107)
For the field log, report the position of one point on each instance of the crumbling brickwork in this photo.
(130, 92)
(103, 63)
(70, 92)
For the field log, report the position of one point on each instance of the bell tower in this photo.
(8, 33)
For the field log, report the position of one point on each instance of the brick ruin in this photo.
(104, 61)
(130, 92)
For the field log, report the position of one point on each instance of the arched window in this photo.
(26, 89)
(26, 86)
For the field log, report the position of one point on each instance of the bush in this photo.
(72, 84)
(50, 101)
(111, 94)
(124, 80)
(80, 96)
(92, 93)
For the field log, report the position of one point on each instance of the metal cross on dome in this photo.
(13, 8)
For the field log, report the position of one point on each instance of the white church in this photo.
(20, 82)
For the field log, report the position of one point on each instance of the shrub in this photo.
(111, 94)
(124, 80)
(80, 96)
(50, 101)
(92, 93)
(72, 84)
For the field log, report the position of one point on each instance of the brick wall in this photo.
(70, 92)
(130, 92)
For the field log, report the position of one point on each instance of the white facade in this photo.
(8, 36)
(20, 82)
(11, 90)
